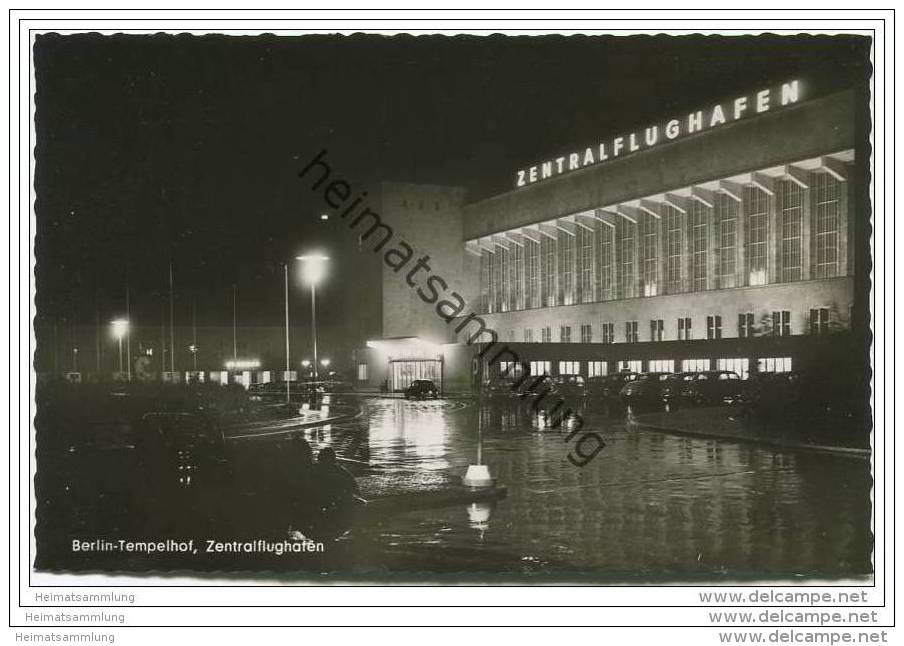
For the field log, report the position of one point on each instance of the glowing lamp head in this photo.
(306, 363)
(120, 327)
(313, 268)
(324, 362)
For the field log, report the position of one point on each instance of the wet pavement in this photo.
(650, 506)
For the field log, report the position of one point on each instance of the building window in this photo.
(756, 207)
(546, 335)
(548, 253)
(565, 334)
(656, 329)
(485, 277)
(674, 222)
(714, 327)
(661, 365)
(532, 252)
(528, 335)
(505, 278)
(496, 281)
(684, 329)
(828, 191)
(745, 325)
(649, 244)
(694, 365)
(625, 229)
(516, 293)
(569, 367)
(540, 367)
(597, 368)
(607, 332)
(585, 264)
(630, 366)
(792, 196)
(726, 214)
(586, 334)
(512, 369)
(819, 320)
(631, 332)
(699, 244)
(774, 364)
(362, 372)
(781, 323)
(605, 281)
(740, 365)
(566, 268)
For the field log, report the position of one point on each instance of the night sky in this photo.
(151, 148)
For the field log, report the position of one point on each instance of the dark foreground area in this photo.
(649, 506)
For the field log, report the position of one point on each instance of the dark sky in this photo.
(187, 147)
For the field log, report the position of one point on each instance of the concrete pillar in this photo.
(773, 235)
(808, 210)
(741, 273)
(845, 230)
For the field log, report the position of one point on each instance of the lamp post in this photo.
(120, 328)
(312, 270)
(74, 359)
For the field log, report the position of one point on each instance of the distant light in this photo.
(243, 364)
(120, 327)
(324, 362)
(193, 348)
(324, 216)
(306, 363)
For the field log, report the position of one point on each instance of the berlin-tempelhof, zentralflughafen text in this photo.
(697, 121)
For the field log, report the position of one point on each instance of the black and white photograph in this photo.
(443, 309)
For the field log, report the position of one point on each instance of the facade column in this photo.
(808, 210)
(741, 273)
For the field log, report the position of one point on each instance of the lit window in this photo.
(630, 366)
(485, 280)
(569, 367)
(586, 334)
(649, 245)
(597, 368)
(828, 193)
(585, 264)
(756, 206)
(661, 365)
(510, 369)
(726, 215)
(503, 296)
(539, 367)
(532, 270)
(625, 230)
(362, 372)
(566, 268)
(656, 329)
(606, 258)
(740, 365)
(699, 244)
(565, 334)
(781, 323)
(774, 364)
(792, 197)
(608, 332)
(516, 272)
(694, 365)
(819, 320)
(674, 222)
(631, 332)
(684, 329)
(548, 254)
(745, 325)
(714, 327)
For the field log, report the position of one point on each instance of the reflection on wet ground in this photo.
(648, 506)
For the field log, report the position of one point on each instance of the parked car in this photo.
(707, 388)
(609, 386)
(570, 386)
(645, 392)
(422, 389)
(500, 387)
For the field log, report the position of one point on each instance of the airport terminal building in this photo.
(731, 237)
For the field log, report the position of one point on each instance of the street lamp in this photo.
(74, 359)
(325, 363)
(120, 329)
(313, 269)
(194, 356)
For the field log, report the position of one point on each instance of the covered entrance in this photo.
(404, 371)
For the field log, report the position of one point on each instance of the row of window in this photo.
(778, 323)
(705, 246)
(740, 365)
